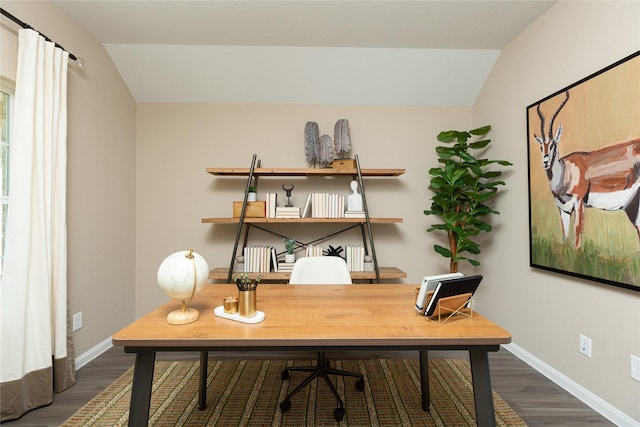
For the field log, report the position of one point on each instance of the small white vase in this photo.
(289, 257)
(251, 197)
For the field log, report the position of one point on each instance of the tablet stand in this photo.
(452, 306)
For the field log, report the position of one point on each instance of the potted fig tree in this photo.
(463, 185)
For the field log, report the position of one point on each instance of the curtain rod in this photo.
(25, 25)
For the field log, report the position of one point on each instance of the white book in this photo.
(307, 207)
(355, 257)
(266, 205)
(274, 260)
(325, 205)
(267, 259)
(314, 250)
(287, 212)
(334, 206)
(254, 259)
(272, 202)
(263, 259)
(315, 205)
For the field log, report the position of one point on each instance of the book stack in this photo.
(271, 203)
(324, 205)
(287, 212)
(285, 266)
(354, 214)
(258, 258)
(314, 250)
(355, 257)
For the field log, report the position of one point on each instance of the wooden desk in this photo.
(313, 318)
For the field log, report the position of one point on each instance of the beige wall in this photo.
(100, 173)
(547, 312)
(177, 142)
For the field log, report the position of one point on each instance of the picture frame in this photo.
(584, 177)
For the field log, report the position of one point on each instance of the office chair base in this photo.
(338, 413)
(321, 370)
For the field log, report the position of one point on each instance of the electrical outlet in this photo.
(585, 345)
(77, 321)
(635, 367)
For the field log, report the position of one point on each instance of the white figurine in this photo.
(354, 201)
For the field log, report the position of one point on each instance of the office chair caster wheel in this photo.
(338, 414)
(360, 384)
(285, 405)
(284, 374)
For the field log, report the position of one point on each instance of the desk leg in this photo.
(424, 379)
(202, 401)
(141, 388)
(482, 392)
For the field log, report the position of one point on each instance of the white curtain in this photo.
(36, 352)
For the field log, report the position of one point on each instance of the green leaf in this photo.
(466, 157)
(442, 251)
(491, 174)
(437, 183)
(438, 227)
(436, 171)
(481, 131)
(479, 144)
(446, 152)
(470, 247)
(447, 136)
(484, 226)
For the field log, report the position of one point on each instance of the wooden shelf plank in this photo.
(220, 273)
(302, 172)
(301, 220)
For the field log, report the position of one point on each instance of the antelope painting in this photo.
(606, 178)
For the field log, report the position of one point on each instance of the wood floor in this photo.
(536, 399)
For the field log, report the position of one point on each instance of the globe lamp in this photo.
(180, 276)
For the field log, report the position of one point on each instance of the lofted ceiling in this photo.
(305, 52)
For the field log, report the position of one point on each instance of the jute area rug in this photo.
(248, 393)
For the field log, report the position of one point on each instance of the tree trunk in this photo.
(453, 247)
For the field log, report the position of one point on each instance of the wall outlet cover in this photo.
(635, 367)
(585, 345)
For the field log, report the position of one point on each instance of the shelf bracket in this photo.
(366, 214)
(241, 219)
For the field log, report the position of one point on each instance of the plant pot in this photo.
(251, 197)
(289, 257)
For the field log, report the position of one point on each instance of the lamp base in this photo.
(179, 317)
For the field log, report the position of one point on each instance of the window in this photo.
(7, 88)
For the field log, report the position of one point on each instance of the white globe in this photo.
(176, 274)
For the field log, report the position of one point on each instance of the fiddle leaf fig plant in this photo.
(463, 184)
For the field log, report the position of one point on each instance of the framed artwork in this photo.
(584, 177)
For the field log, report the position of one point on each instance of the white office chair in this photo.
(320, 270)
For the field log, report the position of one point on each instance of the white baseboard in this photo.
(594, 402)
(94, 352)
